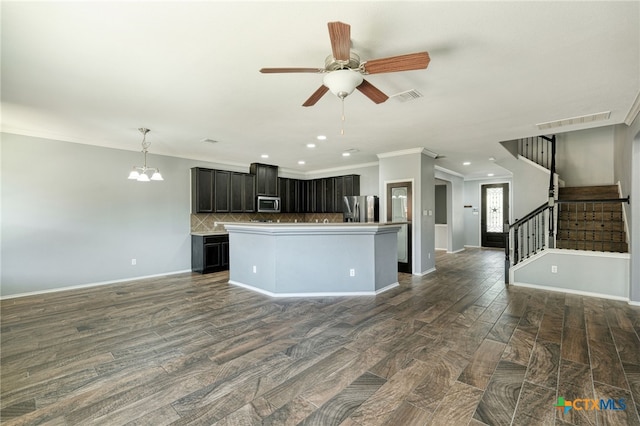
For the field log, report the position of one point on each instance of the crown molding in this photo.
(633, 111)
(408, 152)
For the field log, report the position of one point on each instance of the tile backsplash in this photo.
(206, 222)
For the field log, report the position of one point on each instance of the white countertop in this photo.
(312, 228)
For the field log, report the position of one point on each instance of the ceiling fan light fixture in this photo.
(343, 82)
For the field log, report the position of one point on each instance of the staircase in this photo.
(595, 225)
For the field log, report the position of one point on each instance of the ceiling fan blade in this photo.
(340, 35)
(316, 96)
(412, 61)
(372, 92)
(290, 70)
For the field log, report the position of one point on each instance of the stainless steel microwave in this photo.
(268, 204)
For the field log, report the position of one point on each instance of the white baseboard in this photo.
(571, 291)
(634, 303)
(314, 294)
(456, 251)
(428, 271)
(96, 284)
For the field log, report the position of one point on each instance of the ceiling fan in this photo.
(344, 71)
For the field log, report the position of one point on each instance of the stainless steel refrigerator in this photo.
(360, 208)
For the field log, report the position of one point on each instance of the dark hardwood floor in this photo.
(455, 347)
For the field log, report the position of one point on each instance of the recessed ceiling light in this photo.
(311, 145)
(489, 174)
(265, 156)
(301, 162)
(492, 158)
(208, 140)
(321, 137)
(466, 163)
(346, 154)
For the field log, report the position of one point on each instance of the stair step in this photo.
(618, 247)
(590, 225)
(588, 192)
(590, 207)
(606, 236)
(590, 216)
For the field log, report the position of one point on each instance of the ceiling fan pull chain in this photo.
(342, 122)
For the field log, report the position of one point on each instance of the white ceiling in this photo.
(94, 72)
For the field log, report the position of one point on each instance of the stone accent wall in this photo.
(206, 222)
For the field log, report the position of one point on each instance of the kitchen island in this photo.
(313, 259)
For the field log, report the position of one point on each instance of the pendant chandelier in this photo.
(140, 173)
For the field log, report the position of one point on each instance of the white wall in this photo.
(586, 157)
(530, 186)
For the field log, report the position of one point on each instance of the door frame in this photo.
(411, 213)
(481, 206)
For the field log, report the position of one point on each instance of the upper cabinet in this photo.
(202, 190)
(243, 193)
(266, 179)
(221, 191)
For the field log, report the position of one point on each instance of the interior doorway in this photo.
(494, 211)
(399, 207)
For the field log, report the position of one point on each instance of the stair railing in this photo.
(536, 231)
(539, 149)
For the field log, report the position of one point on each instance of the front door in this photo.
(399, 210)
(494, 213)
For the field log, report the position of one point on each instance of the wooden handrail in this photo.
(533, 213)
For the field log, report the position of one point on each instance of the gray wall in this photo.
(71, 217)
(585, 157)
(419, 169)
(595, 274)
(455, 209)
(369, 177)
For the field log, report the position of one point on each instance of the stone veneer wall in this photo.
(206, 222)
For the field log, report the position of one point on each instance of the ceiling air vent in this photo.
(408, 95)
(583, 119)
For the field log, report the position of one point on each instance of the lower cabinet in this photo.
(209, 253)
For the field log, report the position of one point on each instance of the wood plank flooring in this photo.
(455, 347)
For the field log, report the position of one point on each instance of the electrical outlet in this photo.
(255, 269)
(133, 262)
(554, 269)
(352, 272)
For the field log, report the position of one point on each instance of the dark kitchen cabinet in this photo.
(209, 253)
(266, 179)
(338, 193)
(202, 190)
(242, 192)
(222, 191)
(310, 195)
(329, 202)
(290, 193)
